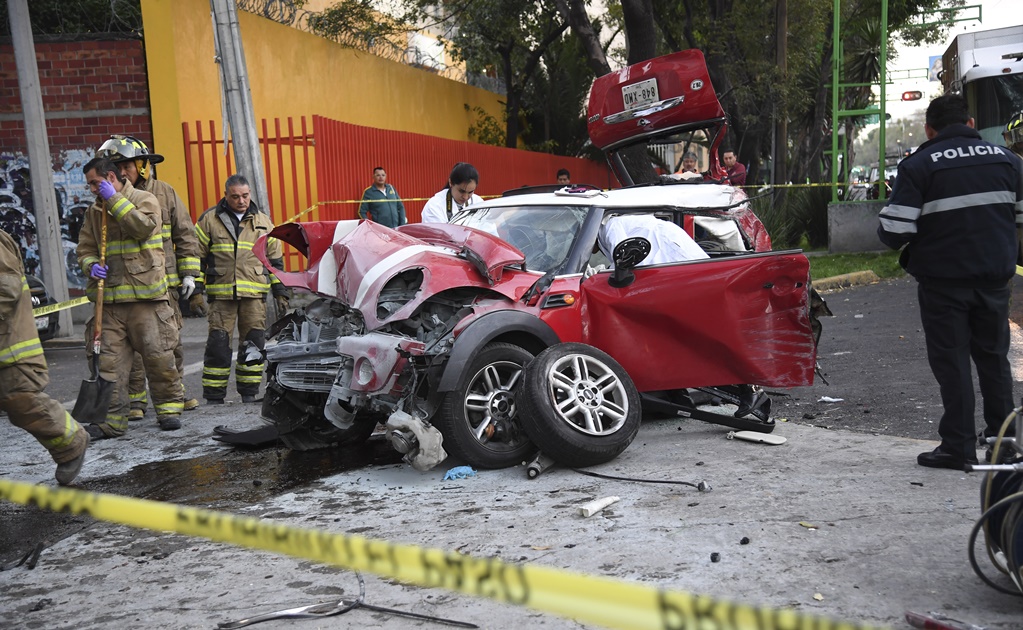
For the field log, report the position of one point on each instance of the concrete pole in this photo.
(235, 84)
(51, 250)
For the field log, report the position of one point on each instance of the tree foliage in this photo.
(74, 17)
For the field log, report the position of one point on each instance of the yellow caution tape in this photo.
(588, 599)
(59, 306)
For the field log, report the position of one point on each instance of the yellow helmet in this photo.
(1013, 133)
(123, 148)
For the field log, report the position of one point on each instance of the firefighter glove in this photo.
(98, 271)
(282, 304)
(187, 287)
(106, 190)
(197, 305)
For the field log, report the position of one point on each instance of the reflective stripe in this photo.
(70, 428)
(969, 201)
(204, 238)
(169, 408)
(894, 226)
(902, 212)
(130, 293)
(121, 207)
(22, 350)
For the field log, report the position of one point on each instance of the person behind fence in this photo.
(955, 210)
(181, 250)
(24, 375)
(137, 315)
(564, 177)
(459, 193)
(381, 203)
(236, 284)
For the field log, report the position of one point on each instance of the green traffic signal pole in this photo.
(837, 58)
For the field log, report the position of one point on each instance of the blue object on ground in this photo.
(459, 472)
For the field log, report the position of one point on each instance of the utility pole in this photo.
(781, 126)
(44, 201)
(234, 79)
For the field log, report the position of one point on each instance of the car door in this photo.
(729, 320)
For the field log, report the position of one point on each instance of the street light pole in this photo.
(44, 201)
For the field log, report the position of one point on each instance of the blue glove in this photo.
(106, 190)
(98, 271)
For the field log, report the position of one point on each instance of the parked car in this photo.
(47, 325)
(445, 332)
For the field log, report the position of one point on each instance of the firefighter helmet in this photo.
(1013, 133)
(123, 148)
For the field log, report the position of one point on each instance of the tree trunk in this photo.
(640, 33)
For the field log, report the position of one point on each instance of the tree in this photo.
(74, 17)
(503, 37)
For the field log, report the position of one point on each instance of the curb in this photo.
(854, 279)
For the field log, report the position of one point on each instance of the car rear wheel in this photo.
(579, 405)
(480, 419)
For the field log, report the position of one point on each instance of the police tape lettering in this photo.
(588, 599)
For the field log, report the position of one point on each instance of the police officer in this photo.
(956, 207)
(236, 283)
(179, 243)
(23, 374)
(136, 312)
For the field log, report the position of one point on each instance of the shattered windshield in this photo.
(544, 234)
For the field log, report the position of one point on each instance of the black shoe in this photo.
(67, 471)
(169, 423)
(940, 459)
(214, 401)
(95, 433)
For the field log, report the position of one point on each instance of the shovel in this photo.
(94, 396)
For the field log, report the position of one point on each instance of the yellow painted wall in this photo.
(291, 73)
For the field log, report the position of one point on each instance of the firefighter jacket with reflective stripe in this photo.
(19, 340)
(956, 205)
(134, 256)
(228, 267)
(180, 247)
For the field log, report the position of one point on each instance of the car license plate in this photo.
(42, 323)
(640, 94)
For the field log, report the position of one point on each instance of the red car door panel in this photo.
(713, 322)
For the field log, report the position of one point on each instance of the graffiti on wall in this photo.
(17, 216)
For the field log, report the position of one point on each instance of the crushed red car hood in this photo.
(351, 261)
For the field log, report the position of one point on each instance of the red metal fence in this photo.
(418, 166)
(321, 175)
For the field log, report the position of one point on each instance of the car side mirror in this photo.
(626, 256)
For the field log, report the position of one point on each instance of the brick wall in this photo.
(91, 89)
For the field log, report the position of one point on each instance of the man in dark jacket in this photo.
(956, 206)
(380, 202)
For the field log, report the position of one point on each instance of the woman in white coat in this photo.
(459, 193)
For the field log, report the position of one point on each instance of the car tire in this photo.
(579, 405)
(480, 419)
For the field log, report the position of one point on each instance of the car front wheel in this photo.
(480, 419)
(579, 405)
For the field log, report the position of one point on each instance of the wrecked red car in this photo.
(498, 334)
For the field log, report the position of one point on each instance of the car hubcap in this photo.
(587, 395)
(490, 401)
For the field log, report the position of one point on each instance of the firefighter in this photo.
(1013, 134)
(181, 249)
(23, 374)
(136, 312)
(236, 284)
